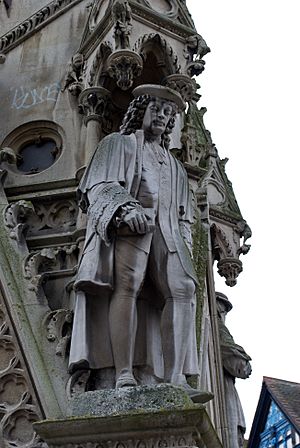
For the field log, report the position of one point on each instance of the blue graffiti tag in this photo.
(25, 98)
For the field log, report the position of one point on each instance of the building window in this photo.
(37, 155)
(281, 442)
(36, 146)
(297, 438)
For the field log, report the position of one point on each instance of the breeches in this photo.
(137, 255)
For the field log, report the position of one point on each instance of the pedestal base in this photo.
(144, 417)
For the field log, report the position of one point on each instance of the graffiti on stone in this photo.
(24, 98)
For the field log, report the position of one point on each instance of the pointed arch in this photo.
(154, 49)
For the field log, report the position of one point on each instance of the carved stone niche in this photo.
(124, 66)
(159, 58)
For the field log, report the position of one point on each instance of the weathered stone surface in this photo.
(189, 427)
(129, 400)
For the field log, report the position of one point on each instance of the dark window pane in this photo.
(36, 157)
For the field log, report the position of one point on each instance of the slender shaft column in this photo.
(93, 104)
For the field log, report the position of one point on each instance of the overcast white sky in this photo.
(251, 90)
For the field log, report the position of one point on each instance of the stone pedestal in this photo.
(144, 417)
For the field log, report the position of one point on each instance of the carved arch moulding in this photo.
(33, 23)
(166, 7)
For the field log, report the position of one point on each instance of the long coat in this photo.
(115, 170)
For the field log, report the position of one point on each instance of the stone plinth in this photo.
(128, 400)
(144, 417)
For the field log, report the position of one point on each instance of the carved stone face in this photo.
(157, 116)
(222, 311)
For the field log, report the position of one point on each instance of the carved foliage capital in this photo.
(93, 103)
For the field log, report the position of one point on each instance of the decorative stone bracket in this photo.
(230, 268)
(226, 247)
(185, 85)
(124, 66)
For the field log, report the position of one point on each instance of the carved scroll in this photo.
(39, 265)
(58, 328)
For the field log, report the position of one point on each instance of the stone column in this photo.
(93, 105)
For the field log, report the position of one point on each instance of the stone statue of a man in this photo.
(236, 364)
(135, 304)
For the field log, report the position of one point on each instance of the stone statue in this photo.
(135, 299)
(73, 78)
(236, 365)
(121, 13)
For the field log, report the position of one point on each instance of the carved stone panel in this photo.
(50, 217)
(18, 404)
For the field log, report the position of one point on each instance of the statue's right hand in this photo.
(137, 221)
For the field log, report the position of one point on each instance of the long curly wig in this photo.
(134, 116)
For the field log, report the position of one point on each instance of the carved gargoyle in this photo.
(195, 49)
(15, 218)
